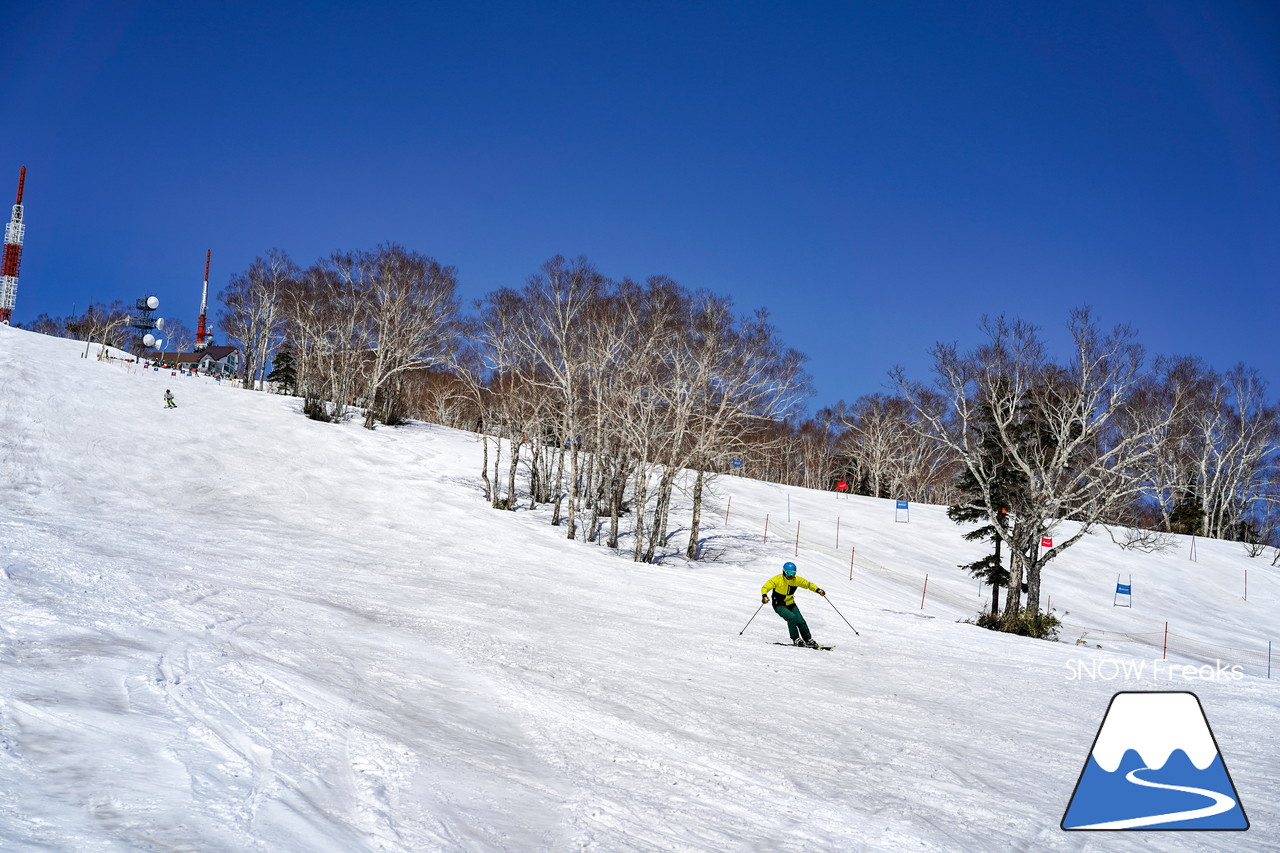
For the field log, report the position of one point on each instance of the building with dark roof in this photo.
(221, 361)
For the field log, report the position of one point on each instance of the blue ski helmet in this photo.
(789, 569)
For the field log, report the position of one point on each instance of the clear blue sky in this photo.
(879, 175)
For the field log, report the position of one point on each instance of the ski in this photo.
(794, 646)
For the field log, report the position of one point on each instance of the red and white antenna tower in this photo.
(203, 335)
(13, 233)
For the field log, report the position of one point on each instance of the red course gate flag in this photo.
(1046, 542)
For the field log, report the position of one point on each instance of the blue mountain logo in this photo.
(1155, 765)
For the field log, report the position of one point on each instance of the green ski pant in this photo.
(796, 626)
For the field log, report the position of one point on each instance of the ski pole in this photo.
(837, 610)
(753, 618)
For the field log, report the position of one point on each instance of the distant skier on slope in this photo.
(168, 400)
(783, 588)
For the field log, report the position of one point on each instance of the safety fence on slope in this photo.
(794, 534)
(1168, 645)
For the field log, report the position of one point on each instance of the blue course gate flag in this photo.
(1123, 589)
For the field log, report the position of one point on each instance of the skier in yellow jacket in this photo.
(783, 588)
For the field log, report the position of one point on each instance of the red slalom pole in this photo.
(726, 510)
(852, 551)
(926, 590)
(1165, 654)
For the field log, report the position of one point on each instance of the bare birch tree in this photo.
(1240, 437)
(747, 379)
(1070, 430)
(1217, 459)
(408, 310)
(323, 321)
(253, 315)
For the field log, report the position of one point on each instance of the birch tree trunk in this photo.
(695, 526)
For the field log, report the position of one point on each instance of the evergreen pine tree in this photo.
(1003, 486)
(282, 371)
(1188, 514)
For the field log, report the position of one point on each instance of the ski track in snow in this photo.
(228, 628)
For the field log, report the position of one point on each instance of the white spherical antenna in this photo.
(153, 303)
(148, 340)
(159, 322)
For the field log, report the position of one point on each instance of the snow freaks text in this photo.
(1112, 669)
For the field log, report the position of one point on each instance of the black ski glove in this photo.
(822, 592)
(764, 599)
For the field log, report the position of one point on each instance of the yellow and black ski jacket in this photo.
(784, 588)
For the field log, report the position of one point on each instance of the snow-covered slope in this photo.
(228, 628)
